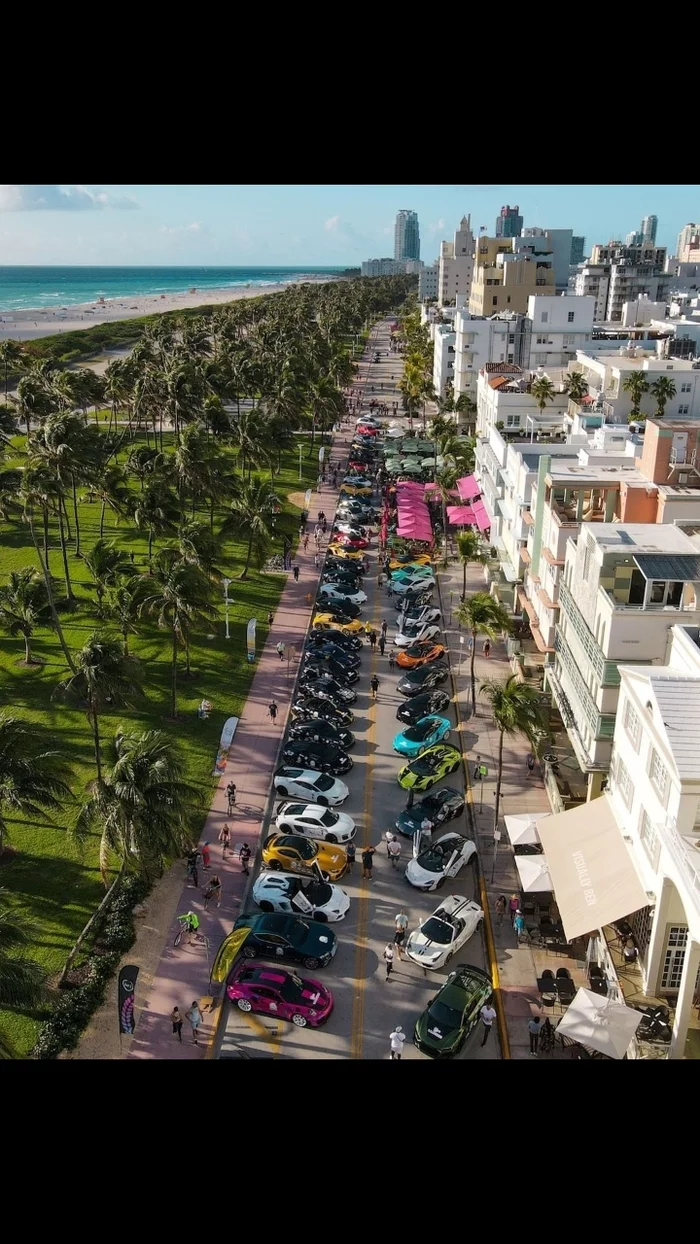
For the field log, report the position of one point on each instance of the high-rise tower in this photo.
(406, 236)
(509, 223)
(649, 227)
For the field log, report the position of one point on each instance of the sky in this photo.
(291, 226)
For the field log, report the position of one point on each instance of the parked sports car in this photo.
(424, 678)
(336, 592)
(323, 731)
(415, 633)
(417, 739)
(292, 853)
(420, 654)
(400, 560)
(437, 808)
(310, 784)
(344, 554)
(417, 587)
(343, 578)
(327, 687)
(289, 892)
(349, 529)
(353, 488)
(406, 574)
(334, 635)
(453, 1013)
(270, 991)
(441, 859)
(420, 613)
(321, 755)
(290, 939)
(338, 621)
(314, 666)
(308, 707)
(433, 943)
(315, 822)
(422, 705)
(426, 770)
(349, 542)
(329, 650)
(415, 598)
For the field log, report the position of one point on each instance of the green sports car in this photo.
(453, 1013)
(427, 769)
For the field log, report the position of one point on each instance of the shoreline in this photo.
(28, 325)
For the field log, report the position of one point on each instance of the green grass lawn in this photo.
(42, 872)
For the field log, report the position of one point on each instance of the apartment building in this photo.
(559, 326)
(618, 273)
(504, 397)
(485, 339)
(688, 245)
(559, 243)
(508, 271)
(428, 279)
(456, 264)
(593, 281)
(606, 372)
(443, 357)
(623, 587)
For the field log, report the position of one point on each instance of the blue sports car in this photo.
(416, 739)
(410, 573)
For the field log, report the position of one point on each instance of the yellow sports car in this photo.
(330, 621)
(421, 559)
(339, 550)
(356, 490)
(291, 853)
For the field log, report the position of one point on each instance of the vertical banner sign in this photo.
(321, 455)
(251, 639)
(125, 999)
(307, 498)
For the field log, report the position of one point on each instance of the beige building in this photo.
(508, 271)
(456, 265)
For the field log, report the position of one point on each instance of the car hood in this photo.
(420, 876)
(420, 947)
(409, 821)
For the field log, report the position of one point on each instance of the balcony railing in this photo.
(682, 855)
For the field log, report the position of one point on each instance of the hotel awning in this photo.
(594, 878)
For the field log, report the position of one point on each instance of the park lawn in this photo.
(55, 885)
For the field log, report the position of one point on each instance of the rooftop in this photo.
(575, 476)
(635, 538)
(674, 702)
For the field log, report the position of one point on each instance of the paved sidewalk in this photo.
(183, 972)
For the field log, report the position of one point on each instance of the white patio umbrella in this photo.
(600, 1023)
(521, 828)
(534, 873)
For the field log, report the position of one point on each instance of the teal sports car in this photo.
(408, 574)
(426, 732)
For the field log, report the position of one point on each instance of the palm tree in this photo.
(123, 606)
(663, 390)
(469, 549)
(543, 391)
(576, 385)
(199, 547)
(636, 384)
(251, 510)
(32, 777)
(21, 978)
(445, 482)
(35, 494)
(517, 709)
(11, 354)
(24, 605)
(145, 463)
(482, 614)
(178, 595)
(107, 565)
(104, 677)
(155, 511)
(33, 400)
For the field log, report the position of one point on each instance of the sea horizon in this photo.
(45, 286)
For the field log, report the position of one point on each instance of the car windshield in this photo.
(424, 765)
(437, 931)
(432, 861)
(306, 849)
(329, 818)
(445, 1016)
(298, 931)
(319, 893)
(324, 782)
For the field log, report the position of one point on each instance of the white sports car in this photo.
(309, 784)
(301, 896)
(441, 859)
(413, 585)
(415, 635)
(433, 943)
(424, 613)
(315, 821)
(350, 529)
(328, 591)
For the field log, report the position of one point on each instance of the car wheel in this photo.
(299, 1020)
(282, 790)
(243, 1004)
(249, 952)
(440, 883)
(321, 917)
(454, 767)
(322, 801)
(275, 866)
(326, 876)
(331, 838)
(265, 906)
(311, 963)
(286, 829)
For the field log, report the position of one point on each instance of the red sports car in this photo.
(283, 995)
(350, 542)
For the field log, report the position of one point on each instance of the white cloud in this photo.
(439, 224)
(195, 227)
(332, 225)
(59, 199)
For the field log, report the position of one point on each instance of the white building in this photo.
(642, 311)
(559, 326)
(383, 267)
(443, 357)
(593, 281)
(503, 397)
(480, 340)
(688, 245)
(456, 264)
(606, 373)
(624, 585)
(428, 281)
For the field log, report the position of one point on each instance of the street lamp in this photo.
(226, 583)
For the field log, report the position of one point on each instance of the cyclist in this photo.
(192, 869)
(190, 924)
(212, 890)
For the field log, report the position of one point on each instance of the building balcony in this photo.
(550, 559)
(547, 600)
(686, 856)
(529, 519)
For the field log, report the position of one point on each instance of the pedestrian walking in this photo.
(206, 856)
(231, 796)
(194, 1018)
(367, 861)
(374, 684)
(387, 839)
(389, 959)
(400, 927)
(225, 840)
(501, 904)
(324, 526)
(280, 650)
(396, 1040)
(176, 1020)
(533, 1026)
(382, 644)
(519, 924)
(306, 541)
(477, 766)
(244, 857)
(487, 1017)
(317, 560)
(487, 647)
(373, 638)
(530, 765)
(394, 851)
(470, 645)
(270, 618)
(212, 890)
(350, 852)
(321, 516)
(384, 628)
(513, 906)
(272, 711)
(295, 572)
(392, 659)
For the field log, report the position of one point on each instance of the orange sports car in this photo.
(420, 654)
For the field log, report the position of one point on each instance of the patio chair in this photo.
(565, 987)
(548, 997)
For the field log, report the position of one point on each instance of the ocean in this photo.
(35, 288)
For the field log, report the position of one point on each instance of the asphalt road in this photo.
(367, 1007)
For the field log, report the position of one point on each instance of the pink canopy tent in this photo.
(483, 521)
(468, 487)
(413, 514)
(461, 515)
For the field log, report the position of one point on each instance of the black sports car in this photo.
(334, 635)
(417, 596)
(289, 939)
(424, 678)
(422, 706)
(343, 578)
(342, 563)
(344, 611)
(331, 651)
(327, 688)
(322, 730)
(320, 755)
(436, 808)
(315, 665)
(310, 707)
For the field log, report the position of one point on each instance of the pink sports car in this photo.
(282, 994)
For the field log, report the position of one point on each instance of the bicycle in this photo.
(185, 927)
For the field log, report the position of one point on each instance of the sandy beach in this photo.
(26, 325)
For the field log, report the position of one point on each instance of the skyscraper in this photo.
(577, 249)
(406, 235)
(649, 226)
(509, 223)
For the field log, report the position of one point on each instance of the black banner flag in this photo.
(125, 999)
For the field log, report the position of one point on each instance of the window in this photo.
(633, 726)
(570, 317)
(512, 421)
(510, 358)
(658, 776)
(624, 783)
(542, 341)
(649, 837)
(494, 300)
(686, 388)
(540, 359)
(674, 957)
(569, 339)
(684, 410)
(511, 339)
